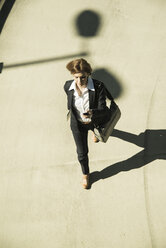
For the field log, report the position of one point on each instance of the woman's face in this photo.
(81, 78)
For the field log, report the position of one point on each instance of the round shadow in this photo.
(110, 82)
(87, 23)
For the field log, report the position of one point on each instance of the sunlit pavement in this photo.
(42, 202)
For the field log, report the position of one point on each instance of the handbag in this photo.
(103, 131)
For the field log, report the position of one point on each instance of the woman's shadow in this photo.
(154, 144)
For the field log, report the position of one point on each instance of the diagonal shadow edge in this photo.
(47, 60)
(154, 143)
(137, 161)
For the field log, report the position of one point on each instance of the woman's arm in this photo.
(65, 87)
(101, 102)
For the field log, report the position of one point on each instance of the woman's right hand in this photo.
(88, 114)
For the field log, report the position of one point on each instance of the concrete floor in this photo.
(42, 203)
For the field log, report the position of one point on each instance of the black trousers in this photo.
(81, 140)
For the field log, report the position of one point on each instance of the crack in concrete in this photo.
(147, 207)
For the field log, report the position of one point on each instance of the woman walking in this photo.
(87, 107)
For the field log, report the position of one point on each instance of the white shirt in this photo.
(81, 103)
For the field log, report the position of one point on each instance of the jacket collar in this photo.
(90, 85)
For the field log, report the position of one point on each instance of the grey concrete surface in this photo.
(42, 203)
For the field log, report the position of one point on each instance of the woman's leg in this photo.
(81, 140)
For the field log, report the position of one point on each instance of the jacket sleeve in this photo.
(68, 93)
(101, 109)
(65, 87)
